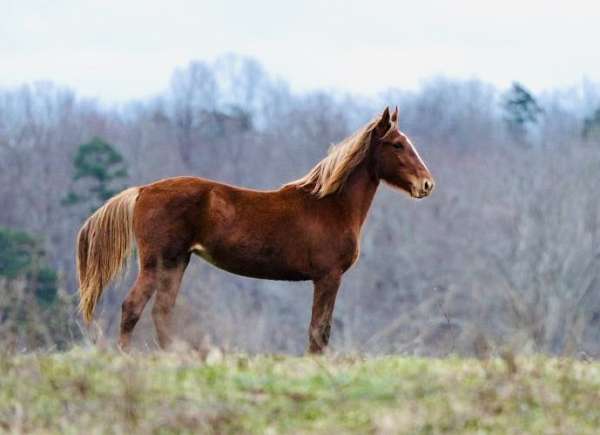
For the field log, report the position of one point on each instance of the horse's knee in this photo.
(160, 311)
(129, 315)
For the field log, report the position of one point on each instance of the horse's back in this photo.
(176, 216)
(262, 234)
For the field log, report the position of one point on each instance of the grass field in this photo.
(94, 391)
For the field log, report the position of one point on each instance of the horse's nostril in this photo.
(428, 185)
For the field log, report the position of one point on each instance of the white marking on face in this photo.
(414, 150)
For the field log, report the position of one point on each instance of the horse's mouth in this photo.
(419, 193)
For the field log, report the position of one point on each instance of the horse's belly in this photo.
(263, 263)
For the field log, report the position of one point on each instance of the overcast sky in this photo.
(119, 49)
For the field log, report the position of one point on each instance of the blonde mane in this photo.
(329, 175)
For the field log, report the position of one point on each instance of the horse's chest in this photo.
(348, 251)
(334, 251)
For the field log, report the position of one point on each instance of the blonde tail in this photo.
(103, 246)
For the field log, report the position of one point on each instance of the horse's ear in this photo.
(394, 117)
(384, 122)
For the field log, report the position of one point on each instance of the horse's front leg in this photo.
(325, 293)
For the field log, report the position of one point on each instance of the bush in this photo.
(34, 311)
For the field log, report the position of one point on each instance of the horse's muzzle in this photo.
(422, 188)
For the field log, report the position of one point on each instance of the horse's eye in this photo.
(398, 145)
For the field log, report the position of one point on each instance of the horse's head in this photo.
(397, 162)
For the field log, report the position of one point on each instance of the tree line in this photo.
(505, 253)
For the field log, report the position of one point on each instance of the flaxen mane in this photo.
(329, 175)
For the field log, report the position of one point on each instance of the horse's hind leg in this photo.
(134, 303)
(169, 282)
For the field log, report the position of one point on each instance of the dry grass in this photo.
(96, 391)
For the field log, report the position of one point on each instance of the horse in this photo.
(308, 229)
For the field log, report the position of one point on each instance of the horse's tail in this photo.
(103, 246)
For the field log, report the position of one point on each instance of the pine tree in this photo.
(521, 111)
(97, 167)
(22, 257)
(591, 126)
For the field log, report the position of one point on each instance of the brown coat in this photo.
(307, 230)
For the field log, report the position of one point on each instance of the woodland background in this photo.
(504, 254)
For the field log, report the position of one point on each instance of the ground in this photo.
(99, 391)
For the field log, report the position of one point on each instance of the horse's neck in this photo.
(358, 193)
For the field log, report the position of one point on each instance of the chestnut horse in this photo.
(309, 229)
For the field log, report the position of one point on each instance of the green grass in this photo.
(93, 391)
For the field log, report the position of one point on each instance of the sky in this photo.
(123, 49)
